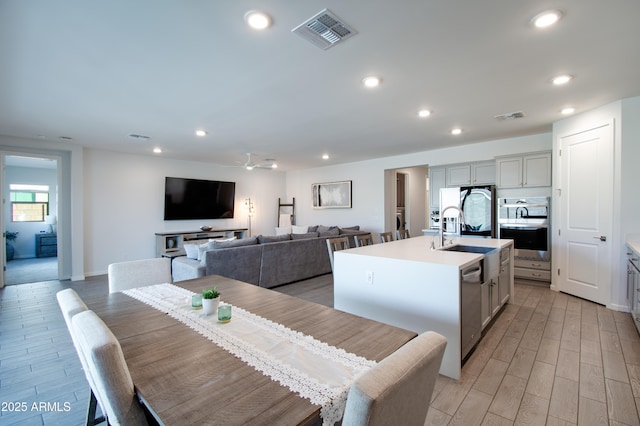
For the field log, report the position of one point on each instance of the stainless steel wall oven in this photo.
(526, 222)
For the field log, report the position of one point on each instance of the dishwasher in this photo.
(470, 306)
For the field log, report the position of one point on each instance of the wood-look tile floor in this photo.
(549, 358)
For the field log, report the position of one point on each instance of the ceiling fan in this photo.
(267, 163)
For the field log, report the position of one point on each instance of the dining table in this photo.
(185, 377)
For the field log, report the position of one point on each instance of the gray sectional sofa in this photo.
(267, 261)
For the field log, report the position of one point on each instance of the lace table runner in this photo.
(314, 370)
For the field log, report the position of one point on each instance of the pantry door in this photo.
(586, 200)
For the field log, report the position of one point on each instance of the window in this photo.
(29, 203)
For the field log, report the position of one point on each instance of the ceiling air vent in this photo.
(509, 116)
(139, 137)
(324, 30)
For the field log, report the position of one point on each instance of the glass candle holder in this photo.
(224, 313)
(196, 301)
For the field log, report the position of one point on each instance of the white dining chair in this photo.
(109, 370)
(138, 273)
(71, 304)
(363, 240)
(335, 244)
(386, 237)
(398, 389)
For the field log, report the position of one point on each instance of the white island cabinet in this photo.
(406, 284)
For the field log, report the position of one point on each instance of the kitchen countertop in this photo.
(633, 241)
(417, 249)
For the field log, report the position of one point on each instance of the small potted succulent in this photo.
(210, 301)
(10, 251)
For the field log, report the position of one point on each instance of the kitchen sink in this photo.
(469, 249)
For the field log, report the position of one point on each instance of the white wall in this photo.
(124, 203)
(25, 245)
(368, 179)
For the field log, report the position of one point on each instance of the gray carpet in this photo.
(21, 271)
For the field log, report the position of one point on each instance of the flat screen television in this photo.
(189, 199)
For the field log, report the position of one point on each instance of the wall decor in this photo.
(331, 195)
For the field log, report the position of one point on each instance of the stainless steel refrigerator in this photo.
(478, 205)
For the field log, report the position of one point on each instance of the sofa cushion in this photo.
(215, 245)
(304, 236)
(350, 228)
(264, 239)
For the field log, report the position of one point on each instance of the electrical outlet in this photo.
(369, 277)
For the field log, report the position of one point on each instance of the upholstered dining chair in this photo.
(398, 389)
(385, 237)
(71, 304)
(335, 244)
(109, 370)
(403, 234)
(138, 273)
(363, 240)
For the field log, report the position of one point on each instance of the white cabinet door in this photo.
(483, 173)
(536, 170)
(509, 172)
(459, 175)
(485, 298)
(495, 296)
(504, 282)
(437, 180)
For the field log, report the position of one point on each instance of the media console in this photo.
(171, 244)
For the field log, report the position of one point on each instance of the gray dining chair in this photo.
(402, 234)
(71, 304)
(138, 273)
(335, 244)
(398, 389)
(109, 370)
(363, 240)
(385, 237)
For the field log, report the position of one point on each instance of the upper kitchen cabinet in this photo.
(478, 173)
(437, 180)
(524, 171)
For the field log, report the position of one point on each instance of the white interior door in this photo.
(586, 199)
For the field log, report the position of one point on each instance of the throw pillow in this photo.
(313, 228)
(328, 231)
(283, 230)
(304, 236)
(201, 249)
(299, 229)
(191, 250)
(264, 239)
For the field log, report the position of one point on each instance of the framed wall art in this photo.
(331, 195)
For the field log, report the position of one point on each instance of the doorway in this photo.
(406, 199)
(29, 219)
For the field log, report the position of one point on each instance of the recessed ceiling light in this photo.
(157, 150)
(567, 110)
(456, 131)
(546, 19)
(201, 133)
(423, 113)
(562, 79)
(325, 156)
(257, 20)
(371, 81)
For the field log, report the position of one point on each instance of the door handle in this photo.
(601, 238)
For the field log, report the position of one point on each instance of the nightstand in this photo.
(46, 245)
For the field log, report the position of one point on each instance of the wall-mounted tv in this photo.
(189, 199)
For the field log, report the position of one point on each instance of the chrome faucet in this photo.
(442, 219)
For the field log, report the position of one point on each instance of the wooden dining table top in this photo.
(185, 379)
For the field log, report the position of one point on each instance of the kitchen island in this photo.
(407, 284)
